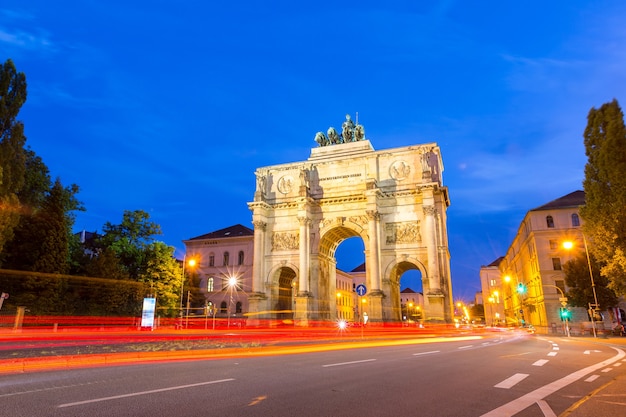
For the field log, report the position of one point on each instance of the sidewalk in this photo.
(610, 398)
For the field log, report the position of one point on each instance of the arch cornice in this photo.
(285, 264)
(408, 259)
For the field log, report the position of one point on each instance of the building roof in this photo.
(237, 230)
(497, 261)
(360, 268)
(407, 290)
(575, 199)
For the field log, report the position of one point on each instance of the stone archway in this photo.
(393, 199)
(394, 272)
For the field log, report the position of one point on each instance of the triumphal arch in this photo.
(393, 199)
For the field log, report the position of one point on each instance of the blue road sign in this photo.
(361, 290)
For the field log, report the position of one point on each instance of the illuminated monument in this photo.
(393, 199)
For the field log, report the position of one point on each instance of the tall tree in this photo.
(130, 239)
(163, 276)
(12, 154)
(580, 290)
(605, 191)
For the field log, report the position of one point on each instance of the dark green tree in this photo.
(12, 154)
(578, 280)
(604, 211)
(130, 239)
(163, 277)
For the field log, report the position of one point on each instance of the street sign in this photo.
(361, 290)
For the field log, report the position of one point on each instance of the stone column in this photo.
(431, 249)
(259, 250)
(304, 255)
(373, 265)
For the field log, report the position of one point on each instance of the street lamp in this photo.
(232, 285)
(568, 245)
(192, 263)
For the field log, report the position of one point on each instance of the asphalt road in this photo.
(497, 375)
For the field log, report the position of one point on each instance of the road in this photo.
(494, 375)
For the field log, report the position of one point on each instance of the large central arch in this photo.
(394, 200)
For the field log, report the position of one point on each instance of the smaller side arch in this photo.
(394, 267)
(391, 284)
(282, 283)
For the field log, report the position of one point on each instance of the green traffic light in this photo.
(521, 288)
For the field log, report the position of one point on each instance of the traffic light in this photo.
(564, 313)
(521, 288)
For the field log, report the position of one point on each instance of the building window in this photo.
(240, 258)
(554, 244)
(575, 220)
(492, 282)
(550, 222)
(211, 260)
(209, 284)
(556, 264)
(238, 307)
(226, 258)
(223, 307)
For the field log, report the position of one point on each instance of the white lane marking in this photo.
(426, 353)
(607, 370)
(485, 343)
(134, 394)
(346, 363)
(547, 411)
(465, 347)
(617, 364)
(553, 353)
(555, 348)
(511, 381)
(541, 362)
(513, 407)
(592, 378)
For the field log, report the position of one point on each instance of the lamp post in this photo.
(563, 301)
(569, 245)
(192, 263)
(232, 284)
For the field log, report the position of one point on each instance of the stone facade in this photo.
(393, 199)
(534, 260)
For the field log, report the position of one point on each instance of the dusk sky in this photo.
(170, 106)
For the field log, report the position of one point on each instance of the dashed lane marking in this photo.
(135, 394)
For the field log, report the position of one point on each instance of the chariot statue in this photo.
(350, 132)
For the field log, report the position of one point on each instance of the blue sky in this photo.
(169, 107)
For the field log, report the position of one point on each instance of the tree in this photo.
(604, 211)
(580, 291)
(130, 239)
(163, 276)
(12, 154)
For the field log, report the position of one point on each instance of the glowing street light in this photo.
(568, 245)
(232, 286)
(191, 263)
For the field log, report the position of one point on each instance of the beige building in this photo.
(223, 266)
(527, 285)
(491, 295)
(224, 269)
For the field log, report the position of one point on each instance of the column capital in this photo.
(429, 210)
(373, 215)
(304, 221)
(259, 225)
